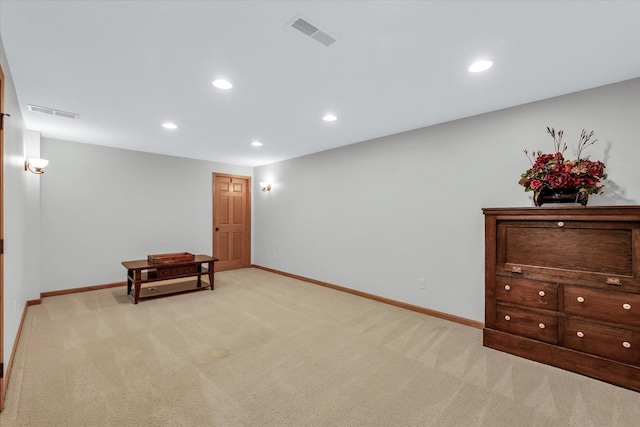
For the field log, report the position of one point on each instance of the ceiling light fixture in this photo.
(479, 66)
(169, 126)
(329, 118)
(257, 144)
(222, 84)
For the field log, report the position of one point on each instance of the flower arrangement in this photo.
(552, 173)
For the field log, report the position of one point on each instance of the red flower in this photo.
(535, 184)
(542, 161)
(583, 182)
(595, 168)
(559, 180)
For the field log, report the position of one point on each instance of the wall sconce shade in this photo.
(266, 186)
(35, 165)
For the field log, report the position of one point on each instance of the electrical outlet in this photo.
(422, 284)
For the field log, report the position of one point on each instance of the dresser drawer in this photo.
(610, 306)
(541, 327)
(578, 252)
(530, 293)
(185, 269)
(163, 272)
(612, 343)
(175, 271)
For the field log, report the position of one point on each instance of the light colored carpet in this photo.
(266, 350)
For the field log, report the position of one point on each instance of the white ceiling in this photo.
(128, 66)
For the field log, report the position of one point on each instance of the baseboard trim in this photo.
(83, 289)
(5, 380)
(416, 308)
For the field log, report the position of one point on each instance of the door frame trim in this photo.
(3, 378)
(247, 213)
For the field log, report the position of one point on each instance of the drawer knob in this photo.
(560, 224)
(507, 287)
(626, 306)
(541, 293)
(580, 299)
(507, 317)
(580, 334)
(626, 344)
(541, 326)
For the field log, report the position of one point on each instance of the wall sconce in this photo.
(35, 165)
(266, 186)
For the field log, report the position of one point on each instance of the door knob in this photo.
(217, 229)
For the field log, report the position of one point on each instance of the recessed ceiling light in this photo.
(329, 118)
(169, 126)
(478, 66)
(222, 84)
(257, 144)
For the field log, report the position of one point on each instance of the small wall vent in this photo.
(52, 112)
(312, 31)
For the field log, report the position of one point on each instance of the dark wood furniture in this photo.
(562, 287)
(144, 271)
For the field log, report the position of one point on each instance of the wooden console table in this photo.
(141, 271)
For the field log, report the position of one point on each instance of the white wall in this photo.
(21, 214)
(102, 206)
(379, 215)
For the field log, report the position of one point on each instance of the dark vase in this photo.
(560, 195)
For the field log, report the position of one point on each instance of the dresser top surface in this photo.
(623, 210)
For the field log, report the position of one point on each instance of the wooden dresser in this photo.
(562, 287)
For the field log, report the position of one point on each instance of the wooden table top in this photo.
(143, 264)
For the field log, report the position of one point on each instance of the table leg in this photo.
(211, 266)
(138, 285)
(198, 270)
(137, 282)
(129, 276)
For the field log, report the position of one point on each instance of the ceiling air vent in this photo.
(312, 31)
(52, 112)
